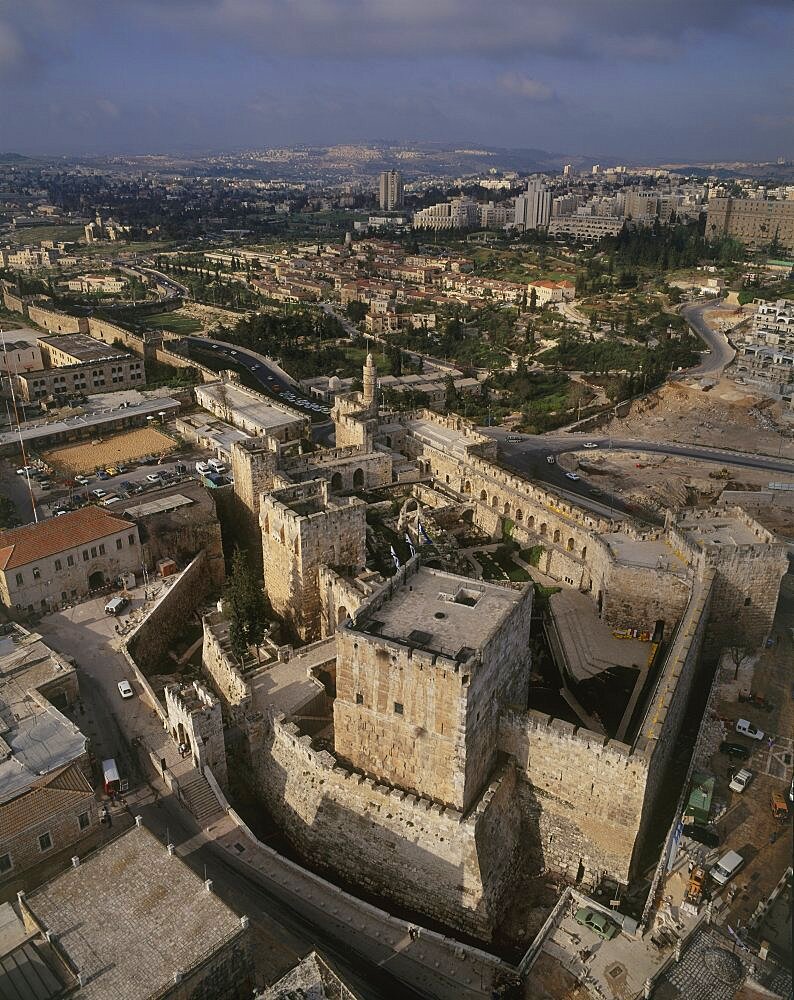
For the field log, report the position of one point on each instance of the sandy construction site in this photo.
(127, 447)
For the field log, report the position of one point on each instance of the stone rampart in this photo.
(149, 643)
(111, 333)
(413, 850)
(55, 321)
(230, 685)
(344, 468)
(581, 793)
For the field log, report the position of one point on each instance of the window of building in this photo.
(74, 593)
(101, 550)
(359, 698)
(58, 565)
(36, 573)
(84, 820)
(45, 842)
(131, 539)
(19, 579)
(5, 863)
(119, 543)
(85, 555)
(93, 551)
(70, 560)
(398, 709)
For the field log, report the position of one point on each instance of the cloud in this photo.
(108, 108)
(526, 87)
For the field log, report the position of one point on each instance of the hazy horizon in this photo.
(698, 81)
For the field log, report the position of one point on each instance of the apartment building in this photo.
(756, 222)
(93, 284)
(460, 213)
(62, 559)
(552, 291)
(28, 258)
(585, 227)
(767, 355)
(533, 208)
(391, 190)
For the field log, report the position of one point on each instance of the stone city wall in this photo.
(195, 716)
(111, 333)
(148, 645)
(390, 842)
(344, 468)
(581, 792)
(55, 321)
(339, 598)
(230, 685)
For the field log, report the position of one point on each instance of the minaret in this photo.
(370, 383)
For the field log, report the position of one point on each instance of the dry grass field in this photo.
(127, 447)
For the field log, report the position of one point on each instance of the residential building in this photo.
(92, 284)
(645, 206)
(767, 354)
(567, 170)
(132, 920)
(46, 801)
(28, 258)
(460, 213)
(391, 193)
(552, 291)
(62, 559)
(756, 222)
(585, 227)
(495, 215)
(533, 208)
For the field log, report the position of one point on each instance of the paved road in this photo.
(528, 454)
(721, 351)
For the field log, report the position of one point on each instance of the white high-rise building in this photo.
(391, 192)
(533, 208)
(567, 170)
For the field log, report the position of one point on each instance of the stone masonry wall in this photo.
(56, 322)
(228, 682)
(583, 794)
(390, 842)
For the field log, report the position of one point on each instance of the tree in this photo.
(736, 648)
(245, 606)
(356, 311)
(533, 300)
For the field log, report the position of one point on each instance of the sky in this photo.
(627, 80)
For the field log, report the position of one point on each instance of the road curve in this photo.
(721, 351)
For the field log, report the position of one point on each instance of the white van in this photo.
(217, 465)
(202, 468)
(748, 729)
(116, 606)
(726, 867)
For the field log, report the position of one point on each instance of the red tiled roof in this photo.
(65, 789)
(20, 546)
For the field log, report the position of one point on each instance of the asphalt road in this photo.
(721, 351)
(527, 454)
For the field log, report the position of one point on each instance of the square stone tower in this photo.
(303, 528)
(423, 674)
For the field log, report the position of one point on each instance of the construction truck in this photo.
(779, 806)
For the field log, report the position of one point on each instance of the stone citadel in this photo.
(402, 747)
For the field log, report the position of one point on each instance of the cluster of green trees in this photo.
(245, 606)
(679, 245)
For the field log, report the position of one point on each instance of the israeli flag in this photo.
(395, 557)
(424, 534)
(410, 544)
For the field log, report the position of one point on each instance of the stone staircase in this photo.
(198, 796)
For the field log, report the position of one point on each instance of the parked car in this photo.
(125, 689)
(26, 470)
(748, 729)
(741, 780)
(116, 605)
(572, 475)
(99, 494)
(203, 468)
(597, 921)
(734, 750)
(590, 444)
(82, 480)
(701, 834)
(109, 501)
(153, 477)
(102, 474)
(726, 867)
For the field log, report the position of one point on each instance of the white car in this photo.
(99, 494)
(572, 475)
(82, 480)
(202, 468)
(109, 501)
(590, 444)
(153, 477)
(741, 780)
(125, 689)
(26, 470)
(748, 729)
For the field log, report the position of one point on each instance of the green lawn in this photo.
(175, 322)
(33, 234)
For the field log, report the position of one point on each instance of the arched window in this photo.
(556, 534)
(358, 479)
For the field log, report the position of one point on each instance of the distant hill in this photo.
(13, 158)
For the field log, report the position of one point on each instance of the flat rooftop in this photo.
(441, 612)
(653, 553)
(130, 916)
(82, 347)
(442, 438)
(253, 410)
(712, 530)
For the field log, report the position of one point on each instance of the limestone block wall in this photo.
(150, 641)
(55, 321)
(195, 717)
(581, 793)
(254, 465)
(339, 599)
(110, 333)
(746, 593)
(13, 302)
(391, 842)
(232, 688)
(344, 468)
(639, 596)
(295, 545)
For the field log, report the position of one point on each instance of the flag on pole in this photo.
(410, 544)
(424, 534)
(395, 557)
